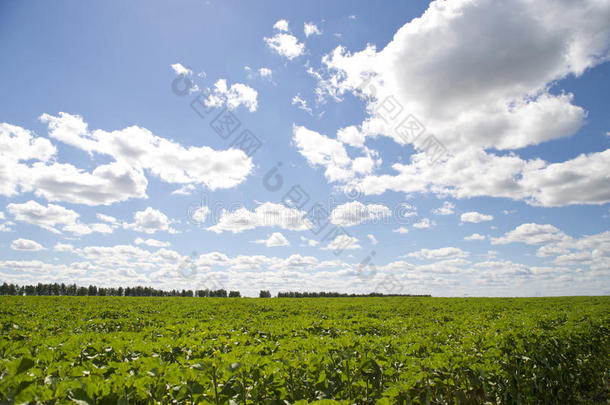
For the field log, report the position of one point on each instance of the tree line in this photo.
(92, 290)
(323, 294)
(140, 291)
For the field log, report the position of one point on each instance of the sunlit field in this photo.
(109, 350)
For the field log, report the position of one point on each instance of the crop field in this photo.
(390, 350)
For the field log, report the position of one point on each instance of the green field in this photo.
(109, 350)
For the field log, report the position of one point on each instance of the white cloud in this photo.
(301, 104)
(63, 247)
(320, 150)
(442, 253)
(475, 217)
(582, 180)
(199, 214)
(184, 190)
(372, 238)
(134, 149)
(475, 236)
(351, 136)
(266, 214)
(577, 181)
(106, 184)
(181, 70)
(589, 250)
(150, 221)
(234, 96)
(354, 213)
(446, 209)
(424, 223)
(450, 274)
(17, 146)
(485, 99)
(281, 25)
(52, 217)
(531, 234)
(5, 226)
(107, 218)
(401, 229)
(309, 242)
(152, 242)
(26, 244)
(265, 72)
(311, 29)
(343, 242)
(286, 45)
(276, 239)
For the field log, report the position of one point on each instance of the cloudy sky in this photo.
(447, 148)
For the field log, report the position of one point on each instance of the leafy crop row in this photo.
(109, 350)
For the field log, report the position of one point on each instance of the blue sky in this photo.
(501, 187)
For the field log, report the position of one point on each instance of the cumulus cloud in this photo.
(308, 242)
(475, 217)
(150, 221)
(26, 244)
(446, 209)
(322, 151)
(343, 242)
(484, 100)
(181, 70)
(63, 247)
(107, 218)
(199, 214)
(531, 234)
(589, 250)
(131, 265)
(442, 253)
(301, 103)
(5, 226)
(52, 217)
(281, 25)
(372, 238)
(475, 236)
(354, 213)
(286, 45)
(134, 150)
(232, 96)
(276, 239)
(401, 229)
(351, 136)
(151, 242)
(265, 72)
(18, 146)
(311, 29)
(577, 181)
(105, 185)
(267, 214)
(424, 223)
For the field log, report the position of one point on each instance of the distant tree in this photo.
(264, 294)
(234, 294)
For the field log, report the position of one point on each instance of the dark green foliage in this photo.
(382, 350)
(139, 291)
